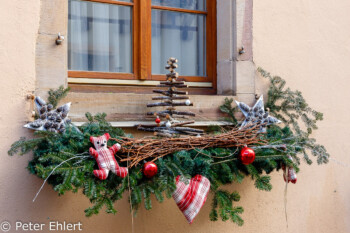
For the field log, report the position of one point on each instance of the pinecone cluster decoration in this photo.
(171, 98)
(53, 120)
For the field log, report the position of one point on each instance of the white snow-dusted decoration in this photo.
(168, 124)
(256, 115)
(53, 120)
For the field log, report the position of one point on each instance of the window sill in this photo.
(129, 109)
(130, 124)
(132, 89)
(129, 82)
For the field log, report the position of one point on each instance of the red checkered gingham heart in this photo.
(191, 197)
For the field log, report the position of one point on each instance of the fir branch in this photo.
(95, 209)
(290, 106)
(56, 95)
(24, 146)
(223, 204)
(263, 183)
(226, 107)
(52, 172)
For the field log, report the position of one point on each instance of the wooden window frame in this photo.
(142, 51)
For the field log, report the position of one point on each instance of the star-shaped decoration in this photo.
(256, 115)
(53, 120)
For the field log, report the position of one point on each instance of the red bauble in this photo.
(247, 155)
(150, 169)
(157, 120)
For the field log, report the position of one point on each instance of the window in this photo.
(132, 40)
(100, 37)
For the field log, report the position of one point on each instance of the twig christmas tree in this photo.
(170, 99)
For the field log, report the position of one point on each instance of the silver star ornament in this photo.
(256, 115)
(53, 120)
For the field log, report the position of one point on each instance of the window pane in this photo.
(186, 4)
(180, 35)
(99, 37)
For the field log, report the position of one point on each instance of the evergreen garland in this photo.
(220, 165)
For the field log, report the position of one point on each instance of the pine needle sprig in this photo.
(292, 108)
(56, 95)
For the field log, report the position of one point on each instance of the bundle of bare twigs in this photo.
(136, 150)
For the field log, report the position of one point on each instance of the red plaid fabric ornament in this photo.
(289, 174)
(105, 157)
(191, 197)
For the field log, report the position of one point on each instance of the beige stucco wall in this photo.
(306, 42)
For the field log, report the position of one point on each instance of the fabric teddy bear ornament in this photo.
(105, 157)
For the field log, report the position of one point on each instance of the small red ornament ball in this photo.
(157, 120)
(150, 169)
(247, 155)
